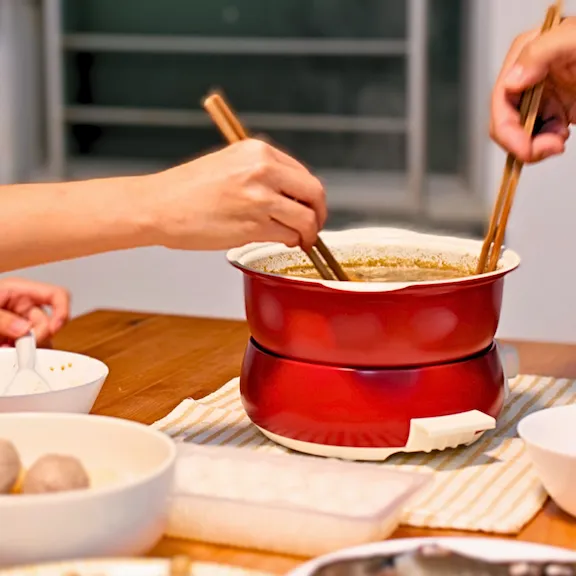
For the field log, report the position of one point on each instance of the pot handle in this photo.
(454, 424)
(441, 432)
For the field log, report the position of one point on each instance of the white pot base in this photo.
(426, 435)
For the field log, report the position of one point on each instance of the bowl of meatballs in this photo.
(66, 494)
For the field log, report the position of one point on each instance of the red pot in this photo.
(372, 324)
(366, 408)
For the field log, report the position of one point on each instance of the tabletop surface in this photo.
(157, 361)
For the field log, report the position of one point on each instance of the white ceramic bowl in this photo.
(76, 381)
(124, 513)
(549, 438)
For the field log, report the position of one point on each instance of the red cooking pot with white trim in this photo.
(372, 324)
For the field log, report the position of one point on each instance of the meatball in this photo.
(55, 473)
(10, 466)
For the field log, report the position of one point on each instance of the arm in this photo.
(42, 223)
(224, 199)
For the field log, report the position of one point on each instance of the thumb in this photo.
(536, 58)
(13, 326)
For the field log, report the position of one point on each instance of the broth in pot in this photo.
(383, 272)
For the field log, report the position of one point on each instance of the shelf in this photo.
(108, 115)
(234, 46)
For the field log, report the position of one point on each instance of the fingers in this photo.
(41, 325)
(509, 134)
(505, 126)
(28, 294)
(546, 145)
(527, 63)
(13, 326)
(301, 186)
(60, 305)
(297, 217)
(285, 176)
(274, 231)
(558, 46)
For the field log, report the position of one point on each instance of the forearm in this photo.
(42, 223)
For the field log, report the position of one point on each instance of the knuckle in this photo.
(257, 148)
(260, 170)
(257, 196)
(252, 229)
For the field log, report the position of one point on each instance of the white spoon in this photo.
(26, 380)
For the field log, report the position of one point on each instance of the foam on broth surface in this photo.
(377, 264)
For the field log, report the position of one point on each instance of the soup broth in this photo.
(376, 264)
(384, 272)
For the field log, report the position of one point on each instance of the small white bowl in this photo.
(549, 436)
(123, 513)
(76, 381)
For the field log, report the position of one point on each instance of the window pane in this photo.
(321, 85)
(318, 150)
(446, 150)
(272, 18)
(346, 86)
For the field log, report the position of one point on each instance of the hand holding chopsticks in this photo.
(529, 109)
(233, 131)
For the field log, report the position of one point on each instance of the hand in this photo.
(238, 195)
(532, 58)
(22, 305)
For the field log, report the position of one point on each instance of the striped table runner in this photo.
(488, 486)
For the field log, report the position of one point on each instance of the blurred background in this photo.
(387, 100)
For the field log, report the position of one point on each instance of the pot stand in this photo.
(372, 414)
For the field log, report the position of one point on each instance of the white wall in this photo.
(152, 279)
(540, 297)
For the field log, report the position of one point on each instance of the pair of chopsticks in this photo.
(529, 108)
(233, 131)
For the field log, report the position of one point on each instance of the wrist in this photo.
(140, 211)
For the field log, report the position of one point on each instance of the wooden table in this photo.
(157, 361)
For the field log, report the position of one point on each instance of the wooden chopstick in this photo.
(529, 108)
(232, 129)
(180, 566)
(215, 103)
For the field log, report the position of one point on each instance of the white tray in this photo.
(290, 504)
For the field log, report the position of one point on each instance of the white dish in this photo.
(549, 439)
(75, 379)
(121, 567)
(123, 513)
(490, 549)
